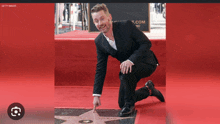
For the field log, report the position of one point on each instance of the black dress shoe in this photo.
(126, 111)
(154, 92)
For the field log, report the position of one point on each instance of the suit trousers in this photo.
(127, 93)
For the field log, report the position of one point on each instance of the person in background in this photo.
(66, 12)
(60, 15)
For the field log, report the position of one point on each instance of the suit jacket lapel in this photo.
(116, 33)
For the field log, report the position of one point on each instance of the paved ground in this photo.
(78, 116)
(78, 103)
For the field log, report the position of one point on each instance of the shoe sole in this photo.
(151, 86)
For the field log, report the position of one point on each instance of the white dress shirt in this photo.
(111, 42)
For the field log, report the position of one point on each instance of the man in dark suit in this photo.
(125, 42)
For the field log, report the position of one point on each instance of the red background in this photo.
(193, 66)
(27, 61)
(192, 82)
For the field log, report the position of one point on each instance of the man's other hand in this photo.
(126, 67)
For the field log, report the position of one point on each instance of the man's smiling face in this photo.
(102, 21)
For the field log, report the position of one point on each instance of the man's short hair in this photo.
(99, 7)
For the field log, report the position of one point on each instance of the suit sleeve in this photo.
(141, 39)
(101, 66)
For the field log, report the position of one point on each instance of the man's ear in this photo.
(110, 16)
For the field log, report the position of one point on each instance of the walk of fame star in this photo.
(89, 117)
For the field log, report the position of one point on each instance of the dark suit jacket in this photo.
(131, 44)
